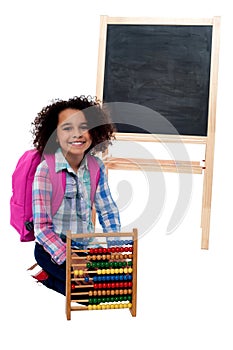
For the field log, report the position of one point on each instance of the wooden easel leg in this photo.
(209, 161)
(206, 199)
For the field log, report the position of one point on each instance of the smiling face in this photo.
(72, 134)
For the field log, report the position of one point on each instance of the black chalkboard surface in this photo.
(163, 67)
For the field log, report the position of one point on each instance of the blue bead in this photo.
(86, 279)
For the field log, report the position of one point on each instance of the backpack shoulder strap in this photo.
(58, 181)
(94, 169)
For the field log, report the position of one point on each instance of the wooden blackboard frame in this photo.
(208, 140)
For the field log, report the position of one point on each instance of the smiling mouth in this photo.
(77, 143)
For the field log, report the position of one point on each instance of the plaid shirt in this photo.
(75, 212)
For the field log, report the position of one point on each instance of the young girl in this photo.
(71, 129)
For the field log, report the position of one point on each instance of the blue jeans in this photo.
(57, 273)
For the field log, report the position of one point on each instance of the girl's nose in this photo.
(77, 133)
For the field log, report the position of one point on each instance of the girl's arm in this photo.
(106, 208)
(42, 217)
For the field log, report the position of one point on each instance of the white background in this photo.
(49, 50)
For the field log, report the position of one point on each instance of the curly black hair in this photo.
(99, 123)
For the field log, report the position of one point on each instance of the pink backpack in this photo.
(21, 200)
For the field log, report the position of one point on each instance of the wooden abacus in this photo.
(104, 276)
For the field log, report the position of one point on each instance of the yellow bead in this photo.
(116, 271)
(81, 272)
(98, 307)
(76, 272)
(125, 270)
(130, 270)
(121, 270)
(89, 307)
(99, 272)
(112, 271)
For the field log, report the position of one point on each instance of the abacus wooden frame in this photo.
(133, 234)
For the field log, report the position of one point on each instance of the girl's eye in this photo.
(84, 127)
(67, 128)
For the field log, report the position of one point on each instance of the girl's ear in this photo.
(57, 140)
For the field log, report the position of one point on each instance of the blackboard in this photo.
(165, 68)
